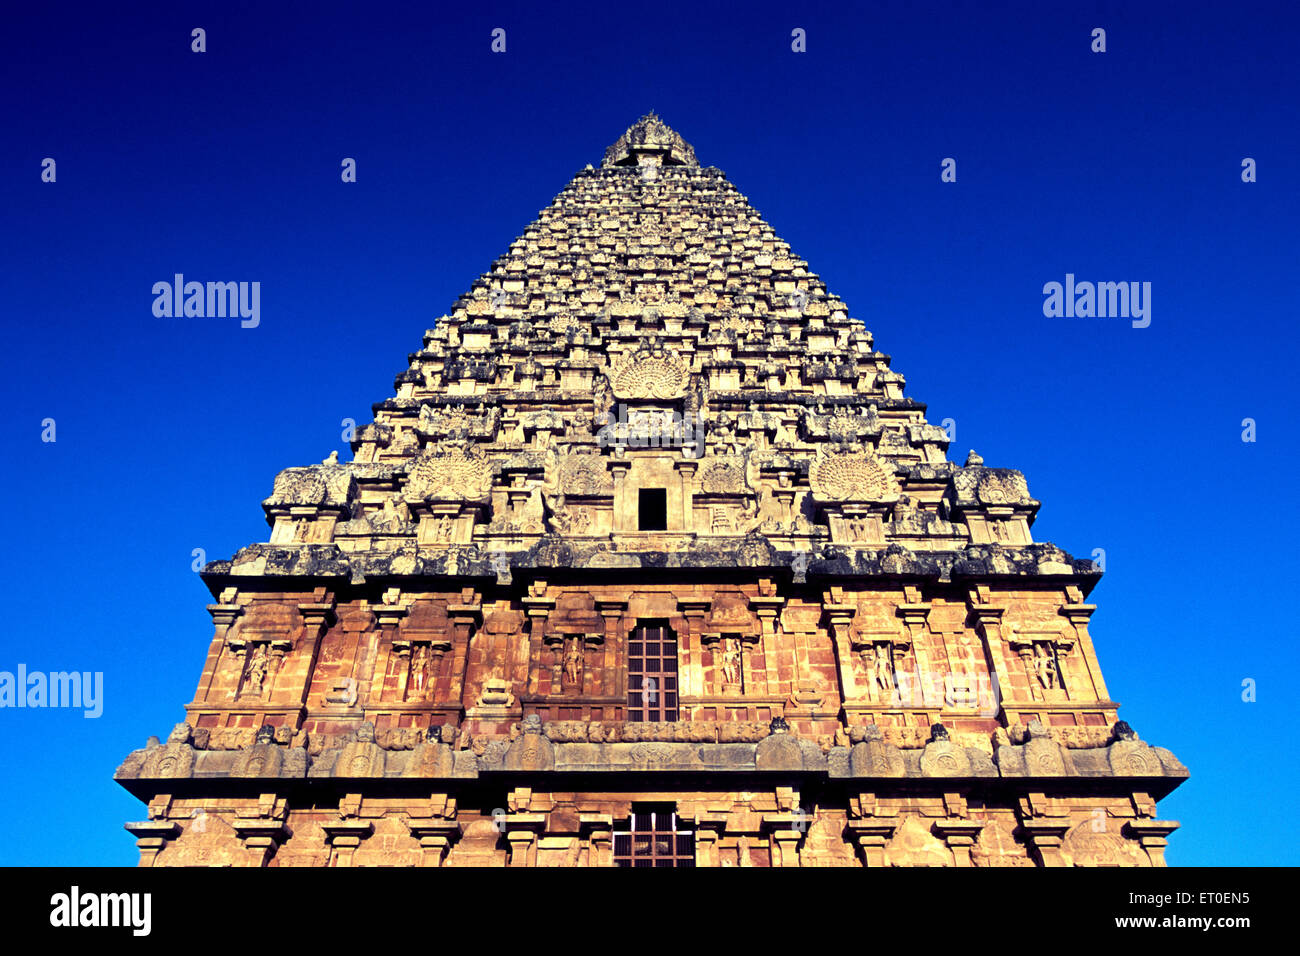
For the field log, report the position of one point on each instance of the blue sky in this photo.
(1115, 166)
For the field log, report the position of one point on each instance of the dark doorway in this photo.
(653, 510)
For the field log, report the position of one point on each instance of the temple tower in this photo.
(650, 562)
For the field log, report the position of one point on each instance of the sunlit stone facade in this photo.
(650, 562)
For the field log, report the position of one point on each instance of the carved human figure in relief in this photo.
(732, 666)
(573, 661)
(1045, 666)
(884, 667)
(751, 517)
(420, 667)
(723, 432)
(257, 668)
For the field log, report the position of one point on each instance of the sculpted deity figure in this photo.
(884, 669)
(1045, 666)
(573, 660)
(257, 667)
(751, 518)
(723, 432)
(731, 661)
(361, 758)
(420, 667)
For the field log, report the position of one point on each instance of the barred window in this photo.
(654, 837)
(652, 673)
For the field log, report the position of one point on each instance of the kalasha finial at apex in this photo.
(650, 142)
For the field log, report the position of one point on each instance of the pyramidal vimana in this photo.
(649, 562)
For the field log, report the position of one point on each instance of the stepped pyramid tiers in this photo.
(650, 562)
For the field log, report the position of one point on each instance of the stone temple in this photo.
(649, 562)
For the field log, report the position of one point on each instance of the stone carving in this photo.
(531, 750)
(573, 655)
(255, 674)
(316, 486)
(1045, 666)
(421, 672)
(650, 134)
(1128, 756)
(872, 755)
(731, 660)
(563, 322)
(363, 757)
(456, 423)
(1044, 757)
(722, 476)
(585, 475)
(480, 509)
(914, 845)
(851, 476)
(1086, 845)
(453, 474)
(262, 759)
(495, 693)
(654, 375)
(997, 846)
(1001, 488)
(780, 750)
(174, 758)
(432, 757)
(942, 757)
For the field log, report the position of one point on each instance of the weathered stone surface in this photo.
(649, 519)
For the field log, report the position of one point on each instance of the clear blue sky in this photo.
(225, 166)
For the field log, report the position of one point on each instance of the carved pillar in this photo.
(436, 837)
(913, 612)
(690, 645)
(1078, 614)
(785, 833)
(871, 836)
(261, 837)
(318, 617)
(839, 616)
(687, 471)
(767, 606)
(987, 621)
(1046, 837)
(596, 831)
(619, 468)
(1153, 835)
(960, 835)
(522, 831)
(613, 612)
(784, 493)
(465, 617)
(343, 837)
(389, 616)
(708, 834)
(224, 614)
(538, 608)
(152, 837)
